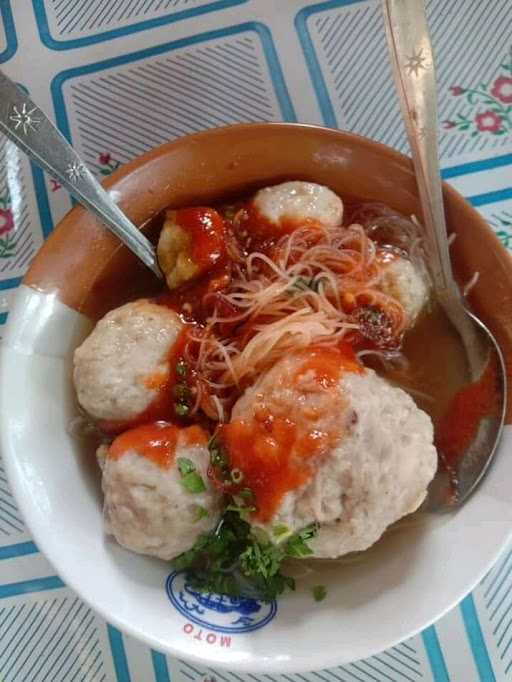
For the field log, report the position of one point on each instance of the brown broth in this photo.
(437, 363)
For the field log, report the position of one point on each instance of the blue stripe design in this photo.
(477, 166)
(55, 641)
(43, 204)
(11, 523)
(491, 197)
(435, 655)
(160, 667)
(345, 49)
(118, 654)
(178, 82)
(50, 640)
(476, 640)
(317, 77)
(10, 283)
(315, 69)
(26, 587)
(9, 30)
(17, 550)
(401, 662)
(55, 44)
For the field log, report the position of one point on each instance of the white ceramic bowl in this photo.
(409, 579)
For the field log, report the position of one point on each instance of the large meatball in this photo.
(407, 283)
(299, 202)
(119, 368)
(319, 439)
(151, 507)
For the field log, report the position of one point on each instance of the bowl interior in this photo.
(412, 576)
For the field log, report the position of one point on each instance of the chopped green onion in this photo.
(193, 483)
(190, 479)
(246, 494)
(319, 592)
(296, 546)
(185, 465)
(280, 531)
(244, 512)
(201, 513)
(181, 409)
(181, 368)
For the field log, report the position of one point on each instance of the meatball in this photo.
(408, 284)
(148, 507)
(299, 202)
(339, 448)
(192, 241)
(119, 367)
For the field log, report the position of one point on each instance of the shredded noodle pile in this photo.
(315, 286)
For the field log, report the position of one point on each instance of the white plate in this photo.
(411, 578)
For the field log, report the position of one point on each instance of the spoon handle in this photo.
(30, 130)
(414, 72)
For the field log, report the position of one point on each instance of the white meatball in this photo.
(408, 284)
(147, 508)
(375, 468)
(118, 368)
(298, 201)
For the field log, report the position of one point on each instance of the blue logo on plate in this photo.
(218, 612)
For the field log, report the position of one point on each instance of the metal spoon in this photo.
(414, 72)
(27, 126)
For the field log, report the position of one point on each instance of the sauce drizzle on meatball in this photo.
(275, 450)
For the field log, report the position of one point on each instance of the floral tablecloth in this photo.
(121, 76)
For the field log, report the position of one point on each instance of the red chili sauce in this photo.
(157, 441)
(458, 427)
(276, 448)
(206, 228)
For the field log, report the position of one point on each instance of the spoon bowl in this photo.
(412, 59)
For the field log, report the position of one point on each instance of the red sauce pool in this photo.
(457, 428)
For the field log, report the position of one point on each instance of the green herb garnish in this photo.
(201, 513)
(297, 545)
(181, 409)
(236, 559)
(319, 592)
(190, 479)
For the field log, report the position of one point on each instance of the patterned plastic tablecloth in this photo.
(122, 76)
